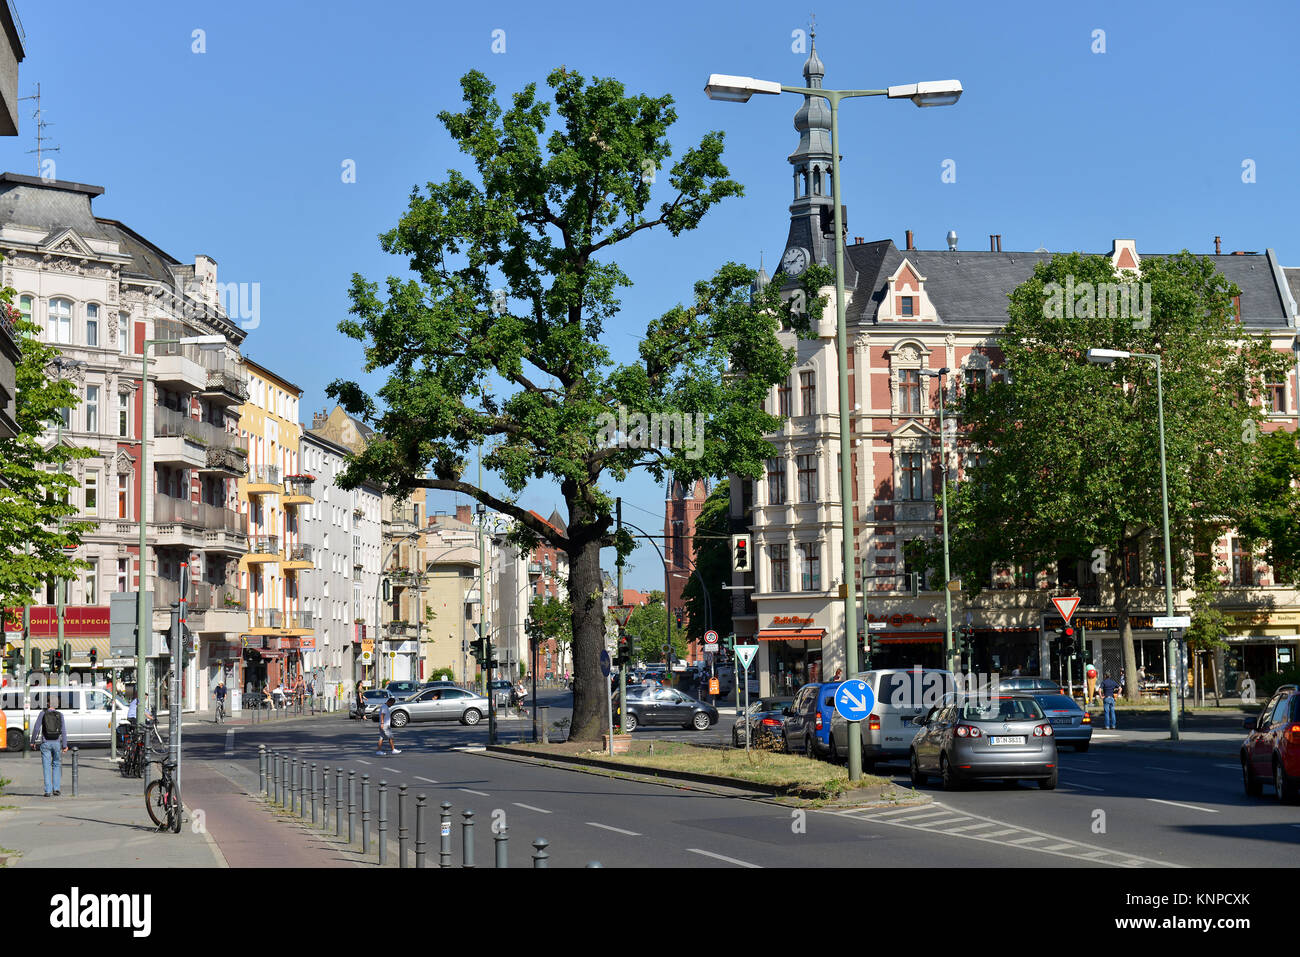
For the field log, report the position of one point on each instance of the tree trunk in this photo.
(589, 686)
(1132, 691)
(1214, 678)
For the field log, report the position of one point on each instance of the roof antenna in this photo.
(41, 148)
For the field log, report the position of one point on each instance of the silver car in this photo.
(440, 704)
(1003, 736)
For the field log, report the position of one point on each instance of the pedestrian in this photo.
(522, 694)
(386, 728)
(839, 674)
(1108, 688)
(52, 738)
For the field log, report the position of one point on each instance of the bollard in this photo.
(313, 793)
(467, 833)
(338, 802)
(444, 835)
(293, 783)
(401, 825)
(352, 807)
(540, 857)
(383, 823)
(419, 830)
(302, 787)
(546, 724)
(500, 839)
(365, 814)
(325, 796)
(277, 762)
(75, 751)
(261, 768)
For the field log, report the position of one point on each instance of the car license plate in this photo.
(1065, 721)
(1008, 739)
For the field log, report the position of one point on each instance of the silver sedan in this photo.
(440, 704)
(1003, 736)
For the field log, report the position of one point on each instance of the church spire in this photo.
(812, 170)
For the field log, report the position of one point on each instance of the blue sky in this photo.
(237, 152)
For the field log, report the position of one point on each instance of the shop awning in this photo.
(791, 634)
(906, 638)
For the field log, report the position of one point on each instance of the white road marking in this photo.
(425, 780)
(1010, 830)
(1026, 840)
(1096, 853)
(966, 827)
(720, 857)
(1084, 786)
(472, 791)
(1056, 847)
(959, 819)
(1152, 767)
(927, 817)
(903, 810)
(529, 807)
(617, 830)
(1207, 810)
(361, 761)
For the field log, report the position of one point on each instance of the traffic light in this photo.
(36, 660)
(740, 557)
(56, 660)
(1067, 639)
(633, 647)
(388, 590)
(477, 649)
(12, 658)
(94, 655)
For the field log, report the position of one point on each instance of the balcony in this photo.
(297, 490)
(263, 480)
(534, 568)
(401, 577)
(401, 629)
(263, 549)
(225, 387)
(179, 439)
(297, 558)
(265, 621)
(225, 531)
(299, 622)
(178, 368)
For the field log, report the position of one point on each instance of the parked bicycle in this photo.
(136, 745)
(162, 798)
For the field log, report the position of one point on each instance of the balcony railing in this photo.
(401, 629)
(220, 380)
(267, 618)
(168, 423)
(299, 484)
(264, 545)
(179, 511)
(300, 553)
(228, 460)
(298, 619)
(203, 596)
(264, 475)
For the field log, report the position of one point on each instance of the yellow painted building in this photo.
(271, 496)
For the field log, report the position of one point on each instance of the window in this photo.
(679, 544)
(123, 499)
(1243, 563)
(908, 304)
(92, 325)
(90, 488)
(123, 337)
(92, 408)
(783, 398)
(123, 415)
(780, 568)
(1275, 398)
(974, 379)
(909, 391)
(808, 392)
(807, 465)
(92, 584)
(121, 574)
(811, 567)
(776, 481)
(59, 324)
(25, 307)
(910, 474)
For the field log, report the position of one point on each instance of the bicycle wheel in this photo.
(174, 808)
(155, 801)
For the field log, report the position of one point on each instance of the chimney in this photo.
(1218, 245)
(909, 240)
(992, 245)
(465, 514)
(998, 237)
(857, 240)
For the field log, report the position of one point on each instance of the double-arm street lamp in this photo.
(738, 89)
(1106, 357)
(948, 655)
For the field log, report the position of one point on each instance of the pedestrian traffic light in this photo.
(740, 560)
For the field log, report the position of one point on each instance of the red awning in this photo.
(907, 638)
(791, 634)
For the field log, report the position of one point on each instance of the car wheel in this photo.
(471, 716)
(785, 743)
(701, 721)
(735, 738)
(14, 739)
(868, 766)
(1286, 789)
(950, 780)
(1048, 783)
(399, 719)
(1254, 786)
(808, 747)
(1082, 746)
(629, 722)
(919, 777)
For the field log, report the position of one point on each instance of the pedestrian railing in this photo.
(310, 792)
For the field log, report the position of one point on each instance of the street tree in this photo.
(500, 338)
(1273, 518)
(553, 619)
(648, 623)
(1208, 631)
(712, 551)
(1068, 451)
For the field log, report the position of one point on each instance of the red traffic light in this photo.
(1069, 632)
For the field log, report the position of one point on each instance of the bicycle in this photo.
(162, 798)
(133, 755)
(221, 710)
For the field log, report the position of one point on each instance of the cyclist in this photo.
(221, 701)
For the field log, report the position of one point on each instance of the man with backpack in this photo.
(51, 736)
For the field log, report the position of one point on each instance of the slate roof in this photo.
(56, 205)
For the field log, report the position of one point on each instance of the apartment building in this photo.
(517, 580)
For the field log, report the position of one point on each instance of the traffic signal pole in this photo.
(622, 668)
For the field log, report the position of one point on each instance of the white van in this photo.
(87, 711)
(901, 694)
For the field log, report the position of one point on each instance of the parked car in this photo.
(1003, 736)
(1032, 683)
(808, 718)
(440, 704)
(763, 723)
(1271, 752)
(439, 683)
(650, 705)
(1071, 724)
(87, 712)
(367, 706)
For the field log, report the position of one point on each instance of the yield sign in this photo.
(745, 654)
(621, 614)
(1066, 607)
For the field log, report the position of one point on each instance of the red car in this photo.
(1271, 752)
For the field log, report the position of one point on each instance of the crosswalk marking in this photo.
(1027, 840)
(901, 810)
(966, 827)
(939, 824)
(926, 817)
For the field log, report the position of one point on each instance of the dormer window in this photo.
(907, 305)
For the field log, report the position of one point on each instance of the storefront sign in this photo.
(79, 621)
(790, 620)
(897, 621)
(1142, 622)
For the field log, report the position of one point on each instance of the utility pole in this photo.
(622, 668)
(482, 611)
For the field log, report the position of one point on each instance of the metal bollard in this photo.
(302, 787)
(467, 833)
(261, 768)
(500, 839)
(383, 823)
(328, 801)
(313, 792)
(365, 814)
(540, 857)
(546, 724)
(420, 852)
(75, 750)
(352, 807)
(293, 784)
(338, 802)
(401, 825)
(444, 835)
(277, 765)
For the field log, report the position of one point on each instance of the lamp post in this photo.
(738, 89)
(948, 650)
(1106, 357)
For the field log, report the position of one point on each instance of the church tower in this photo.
(806, 242)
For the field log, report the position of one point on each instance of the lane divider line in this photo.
(1193, 807)
(617, 830)
(722, 857)
(529, 807)
(472, 791)
(425, 780)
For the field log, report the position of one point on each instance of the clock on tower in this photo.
(795, 261)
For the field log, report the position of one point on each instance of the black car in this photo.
(766, 719)
(651, 705)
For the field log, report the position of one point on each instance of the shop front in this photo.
(904, 640)
(1251, 656)
(792, 653)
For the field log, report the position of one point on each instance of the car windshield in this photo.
(1002, 709)
(1057, 702)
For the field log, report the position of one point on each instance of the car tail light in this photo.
(819, 720)
(964, 730)
(873, 723)
(1293, 734)
(1087, 718)
(771, 722)
(1043, 731)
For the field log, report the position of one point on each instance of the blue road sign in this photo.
(853, 700)
(604, 662)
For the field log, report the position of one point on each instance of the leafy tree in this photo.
(1209, 625)
(713, 562)
(554, 618)
(1274, 514)
(1072, 468)
(648, 624)
(34, 513)
(499, 338)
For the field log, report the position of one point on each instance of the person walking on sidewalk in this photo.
(1109, 686)
(386, 727)
(52, 738)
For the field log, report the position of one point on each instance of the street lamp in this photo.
(1106, 357)
(947, 573)
(738, 89)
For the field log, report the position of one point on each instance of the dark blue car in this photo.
(808, 720)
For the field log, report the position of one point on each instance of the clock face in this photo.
(795, 260)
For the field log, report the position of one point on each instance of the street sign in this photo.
(118, 663)
(1066, 607)
(621, 614)
(604, 662)
(710, 640)
(714, 686)
(1178, 621)
(854, 700)
(876, 625)
(745, 655)
(366, 656)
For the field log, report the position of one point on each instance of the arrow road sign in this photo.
(745, 655)
(853, 700)
(1066, 607)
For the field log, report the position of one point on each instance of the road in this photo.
(1116, 806)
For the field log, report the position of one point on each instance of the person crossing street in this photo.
(51, 738)
(1109, 686)
(386, 727)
